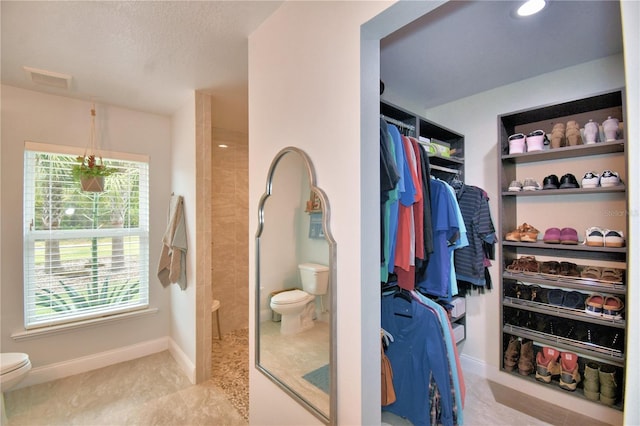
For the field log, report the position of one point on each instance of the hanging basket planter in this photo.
(92, 184)
(91, 170)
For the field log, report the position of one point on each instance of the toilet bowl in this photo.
(14, 368)
(297, 307)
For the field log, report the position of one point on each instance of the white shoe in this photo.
(594, 237)
(609, 178)
(530, 185)
(613, 238)
(515, 186)
(590, 180)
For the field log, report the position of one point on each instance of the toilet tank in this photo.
(314, 277)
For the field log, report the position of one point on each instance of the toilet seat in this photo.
(289, 297)
(12, 361)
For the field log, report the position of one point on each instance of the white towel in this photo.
(173, 258)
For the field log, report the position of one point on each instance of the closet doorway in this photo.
(455, 53)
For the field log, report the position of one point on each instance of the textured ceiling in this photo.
(151, 55)
(145, 55)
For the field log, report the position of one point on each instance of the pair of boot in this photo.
(600, 383)
(520, 355)
(551, 362)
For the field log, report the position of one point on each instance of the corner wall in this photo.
(28, 115)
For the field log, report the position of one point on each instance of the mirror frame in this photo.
(331, 417)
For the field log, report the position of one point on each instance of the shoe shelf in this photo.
(591, 350)
(589, 285)
(610, 147)
(554, 385)
(561, 311)
(582, 251)
(588, 336)
(556, 192)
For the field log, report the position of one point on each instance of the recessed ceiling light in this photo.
(223, 146)
(531, 7)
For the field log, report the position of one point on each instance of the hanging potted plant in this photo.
(91, 170)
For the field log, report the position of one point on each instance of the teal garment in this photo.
(390, 204)
(394, 198)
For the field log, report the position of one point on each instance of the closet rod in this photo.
(443, 169)
(398, 122)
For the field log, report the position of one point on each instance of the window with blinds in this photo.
(86, 254)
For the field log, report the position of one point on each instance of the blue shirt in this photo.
(417, 352)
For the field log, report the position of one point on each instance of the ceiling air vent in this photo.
(48, 78)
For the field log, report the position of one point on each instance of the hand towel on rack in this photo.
(172, 265)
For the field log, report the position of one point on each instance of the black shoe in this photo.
(551, 182)
(568, 181)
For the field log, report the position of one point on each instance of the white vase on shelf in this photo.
(591, 130)
(610, 126)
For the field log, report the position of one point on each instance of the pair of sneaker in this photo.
(599, 237)
(607, 179)
(551, 362)
(527, 185)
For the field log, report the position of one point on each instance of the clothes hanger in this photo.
(405, 309)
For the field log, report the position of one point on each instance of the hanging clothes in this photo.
(446, 230)
(472, 262)
(390, 218)
(417, 355)
(389, 180)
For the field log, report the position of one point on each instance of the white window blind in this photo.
(86, 254)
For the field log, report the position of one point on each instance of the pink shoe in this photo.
(517, 143)
(535, 141)
(552, 236)
(568, 236)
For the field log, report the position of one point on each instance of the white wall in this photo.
(182, 170)
(476, 118)
(304, 90)
(304, 81)
(32, 116)
(631, 34)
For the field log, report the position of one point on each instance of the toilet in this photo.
(297, 307)
(14, 367)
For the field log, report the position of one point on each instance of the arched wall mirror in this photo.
(295, 279)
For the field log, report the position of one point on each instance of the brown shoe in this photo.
(525, 363)
(557, 136)
(528, 233)
(512, 354)
(529, 264)
(513, 235)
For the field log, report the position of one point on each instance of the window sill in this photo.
(63, 328)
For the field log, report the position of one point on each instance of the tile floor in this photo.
(153, 391)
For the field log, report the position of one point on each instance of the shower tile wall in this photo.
(230, 221)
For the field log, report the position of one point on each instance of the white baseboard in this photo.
(478, 366)
(183, 361)
(63, 369)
